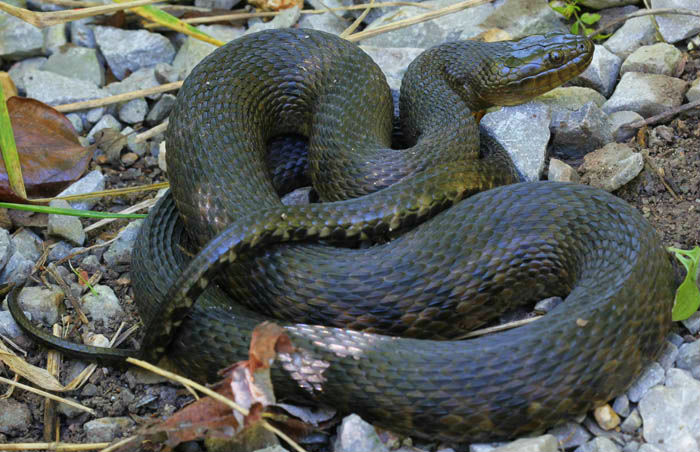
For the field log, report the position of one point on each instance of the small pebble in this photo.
(606, 417)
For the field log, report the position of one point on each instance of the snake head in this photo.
(538, 63)
(513, 72)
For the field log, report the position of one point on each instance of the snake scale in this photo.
(442, 262)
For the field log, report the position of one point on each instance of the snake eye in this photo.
(555, 57)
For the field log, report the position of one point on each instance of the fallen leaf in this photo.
(49, 151)
(8, 86)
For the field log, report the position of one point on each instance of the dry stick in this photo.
(348, 31)
(86, 104)
(135, 208)
(415, 20)
(241, 16)
(494, 329)
(665, 115)
(120, 443)
(645, 12)
(57, 447)
(214, 395)
(654, 169)
(160, 128)
(47, 395)
(45, 19)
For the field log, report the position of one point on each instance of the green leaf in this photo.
(590, 18)
(70, 212)
(688, 294)
(8, 147)
(565, 11)
(574, 28)
(601, 36)
(587, 31)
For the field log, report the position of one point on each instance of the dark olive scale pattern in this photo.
(452, 264)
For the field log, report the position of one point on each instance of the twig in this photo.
(495, 329)
(348, 31)
(45, 19)
(86, 104)
(15, 346)
(120, 443)
(417, 19)
(214, 395)
(150, 133)
(58, 447)
(131, 209)
(661, 116)
(645, 12)
(47, 395)
(242, 16)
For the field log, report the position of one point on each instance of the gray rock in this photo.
(14, 417)
(485, 447)
(28, 244)
(8, 326)
(55, 89)
(6, 247)
(675, 339)
(692, 95)
(41, 303)
(602, 73)
(602, 4)
(141, 79)
(618, 120)
(59, 251)
(519, 18)
(632, 446)
(354, 434)
(570, 98)
(692, 323)
(65, 226)
(670, 413)
(20, 68)
(598, 445)
(285, 19)
(106, 429)
(622, 405)
(570, 435)
(646, 94)
(631, 36)
(81, 32)
(611, 167)
(298, 197)
(194, 50)
(165, 73)
(544, 443)
(104, 306)
(133, 111)
(523, 131)
(660, 58)
(69, 411)
(131, 144)
(130, 50)
(216, 4)
(107, 121)
(17, 269)
(677, 27)
(76, 121)
(546, 305)
(652, 376)
(161, 109)
(460, 25)
(649, 448)
(78, 63)
(275, 448)
(689, 358)
(54, 38)
(576, 133)
(119, 252)
(18, 39)
(668, 355)
(632, 423)
(92, 181)
(393, 62)
(327, 22)
(561, 172)
(94, 114)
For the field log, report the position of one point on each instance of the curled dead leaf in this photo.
(50, 153)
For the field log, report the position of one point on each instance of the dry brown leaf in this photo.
(8, 86)
(49, 151)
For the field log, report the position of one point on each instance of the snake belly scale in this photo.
(469, 257)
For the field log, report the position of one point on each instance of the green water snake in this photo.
(465, 262)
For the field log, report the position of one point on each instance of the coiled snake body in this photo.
(474, 259)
